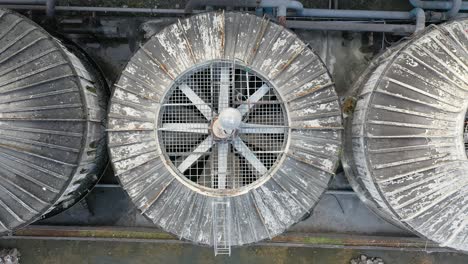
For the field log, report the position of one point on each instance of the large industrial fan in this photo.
(224, 129)
(52, 117)
(406, 139)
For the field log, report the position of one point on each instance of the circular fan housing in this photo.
(406, 147)
(224, 128)
(52, 136)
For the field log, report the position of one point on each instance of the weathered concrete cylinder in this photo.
(52, 129)
(405, 148)
(181, 154)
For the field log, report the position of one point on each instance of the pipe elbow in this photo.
(282, 10)
(296, 5)
(456, 6)
(420, 17)
(283, 4)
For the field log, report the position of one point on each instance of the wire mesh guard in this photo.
(189, 116)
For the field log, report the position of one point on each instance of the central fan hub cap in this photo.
(227, 123)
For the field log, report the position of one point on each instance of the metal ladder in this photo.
(222, 228)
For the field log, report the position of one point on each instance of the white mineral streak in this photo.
(426, 92)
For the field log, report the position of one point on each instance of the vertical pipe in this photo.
(50, 8)
(420, 18)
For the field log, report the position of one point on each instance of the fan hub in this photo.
(226, 124)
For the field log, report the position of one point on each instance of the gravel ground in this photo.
(363, 259)
(9, 256)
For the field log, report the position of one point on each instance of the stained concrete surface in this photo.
(83, 252)
(336, 212)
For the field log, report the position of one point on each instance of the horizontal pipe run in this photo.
(312, 25)
(23, 2)
(311, 12)
(282, 4)
(350, 26)
(358, 14)
(442, 5)
(100, 9)
(120, 9)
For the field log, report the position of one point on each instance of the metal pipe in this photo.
(455, 8)
(294, 5)
(100, 9)
(199, 4)
(350, 26)
(367, 14)
(283, 4)
(308, 12)
(416, 14)
(23, 2)
(120, 9)
(420, 17)
(446, 5)
(50, 8)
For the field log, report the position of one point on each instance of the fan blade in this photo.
(223, 149)
(248, 128)
(201, 149)
(223, 100)
(200, 128)
(249, 155)
(254, 98)
(204, 108)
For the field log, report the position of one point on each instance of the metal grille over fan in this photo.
(194, 112)
(406, 149)
(224, 129)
